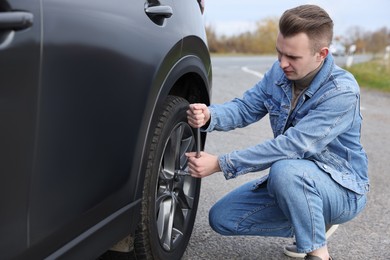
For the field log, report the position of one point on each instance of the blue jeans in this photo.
(298, 199)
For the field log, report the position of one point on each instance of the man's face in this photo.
(296, 56)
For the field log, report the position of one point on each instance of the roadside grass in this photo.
(373, 74)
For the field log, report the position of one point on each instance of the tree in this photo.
(265, 35)
(378, 40)
(263, 39)
(212, 39)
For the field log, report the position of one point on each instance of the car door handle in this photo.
(159, 10)
(15, 20)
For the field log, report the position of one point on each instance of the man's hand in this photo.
(203, 166)
(198, 115)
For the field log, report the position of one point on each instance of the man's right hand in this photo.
(198, 115)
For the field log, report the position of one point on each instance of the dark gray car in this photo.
(93, 128)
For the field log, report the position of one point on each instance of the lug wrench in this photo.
(197, 142)
(186, 173)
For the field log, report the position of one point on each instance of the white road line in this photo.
(257, 74)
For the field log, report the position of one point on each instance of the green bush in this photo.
(373, 74)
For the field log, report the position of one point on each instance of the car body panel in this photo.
(19, 84)
(84, 112)
(98, 80)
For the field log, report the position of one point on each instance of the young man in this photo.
(318, 168)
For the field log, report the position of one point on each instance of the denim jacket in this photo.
(324, 127)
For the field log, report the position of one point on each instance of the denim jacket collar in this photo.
(320, 79)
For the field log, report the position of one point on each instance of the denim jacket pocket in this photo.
(274, 116)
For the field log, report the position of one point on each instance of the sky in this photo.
(228, 17)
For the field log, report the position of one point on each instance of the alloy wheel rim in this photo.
(174, 193)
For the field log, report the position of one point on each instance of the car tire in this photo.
(170, 200)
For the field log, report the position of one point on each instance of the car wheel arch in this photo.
(189, 79)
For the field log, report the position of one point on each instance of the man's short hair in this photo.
(309, 19)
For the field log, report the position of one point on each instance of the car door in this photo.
(99, 61)
(19, 86)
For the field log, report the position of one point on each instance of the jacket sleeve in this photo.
(240, 112)
(332, 114)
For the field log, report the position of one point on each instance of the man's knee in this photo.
(283, 176)
(219, 221)
(284, 170)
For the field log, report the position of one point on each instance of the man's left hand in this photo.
(203, 166)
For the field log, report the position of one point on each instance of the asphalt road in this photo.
(365, 237)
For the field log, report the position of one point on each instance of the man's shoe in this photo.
(313, 257)
(291, 250)
(330, 230)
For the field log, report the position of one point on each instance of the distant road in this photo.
(366, 237)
